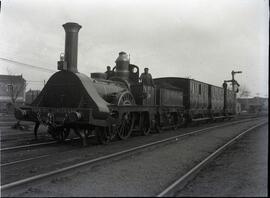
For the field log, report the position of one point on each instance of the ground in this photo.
(239, 171)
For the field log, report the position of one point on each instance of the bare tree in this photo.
(15, 87)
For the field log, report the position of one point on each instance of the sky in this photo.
(200, 39)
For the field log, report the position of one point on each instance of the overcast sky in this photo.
(200, 39)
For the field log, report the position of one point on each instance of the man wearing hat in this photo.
(146, 78)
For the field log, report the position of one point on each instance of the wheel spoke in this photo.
(58, 133)
(125, 128)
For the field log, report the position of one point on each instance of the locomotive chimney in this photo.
(71, 45)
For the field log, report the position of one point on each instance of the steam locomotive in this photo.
(118, 105)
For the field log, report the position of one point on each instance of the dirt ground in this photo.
(239, 171)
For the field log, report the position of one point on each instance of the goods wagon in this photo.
(230, 103)
(195, 95)
(216, 100)
(169, 97)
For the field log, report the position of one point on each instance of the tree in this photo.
(16, 86)
(243, 91)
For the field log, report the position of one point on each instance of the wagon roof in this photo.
(186, 79)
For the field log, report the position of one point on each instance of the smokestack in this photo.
(71, 45)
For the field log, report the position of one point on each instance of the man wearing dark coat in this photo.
(146, 78)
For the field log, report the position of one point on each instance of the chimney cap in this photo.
(72, 27)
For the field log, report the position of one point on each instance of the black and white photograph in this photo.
(134, 98)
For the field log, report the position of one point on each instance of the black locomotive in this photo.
(118, 105)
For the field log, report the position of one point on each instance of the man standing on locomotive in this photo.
(146, 78)
(109, 72)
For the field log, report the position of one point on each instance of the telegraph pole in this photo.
(234, 82)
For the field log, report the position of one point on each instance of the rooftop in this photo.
(12, 78)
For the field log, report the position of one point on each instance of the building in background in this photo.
(253, 105)
(12, 91)
(30, 96)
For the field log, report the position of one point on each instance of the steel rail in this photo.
(180, 183)
(6, 134)
(23, 160)
(36, 144)
(26, 146)
(33, 158)
(109, 156)
(7, 122)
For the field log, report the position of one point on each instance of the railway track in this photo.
(36, 157)
(33, 145)
(54, 142)
(27, 146)
(17, 161)
(109, 156)
(184, 179)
